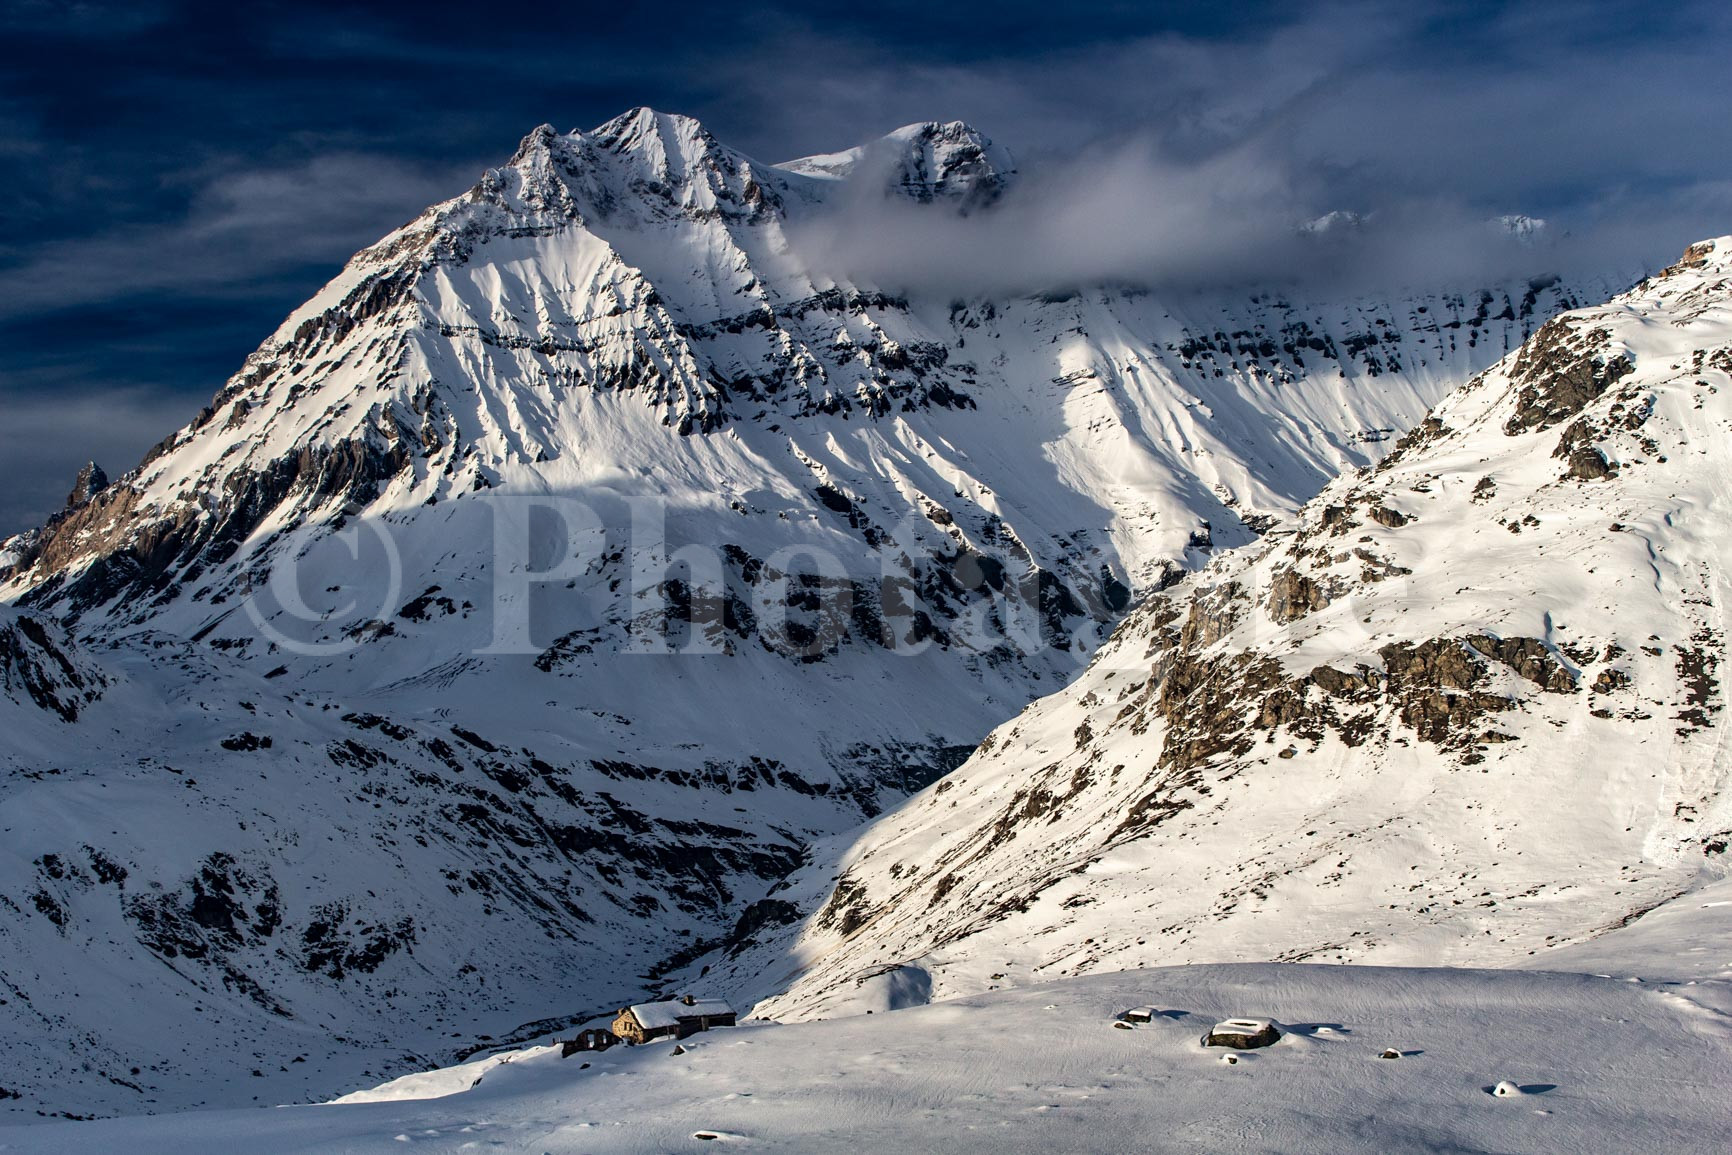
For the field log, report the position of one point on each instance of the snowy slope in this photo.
(219, 891)
(368, 831)
(1601, 1065)
(1468, 712)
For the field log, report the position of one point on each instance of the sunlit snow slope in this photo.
(1469, 712)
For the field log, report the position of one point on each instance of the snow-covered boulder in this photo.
(1243, 1034)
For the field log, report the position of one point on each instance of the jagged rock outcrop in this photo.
(38, 668)
(90, 481)
(1292, 595)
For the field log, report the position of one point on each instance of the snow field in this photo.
(1600, 1064)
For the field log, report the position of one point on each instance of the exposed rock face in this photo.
(1561, 369)
(1438, 685)
(37, 667)
(143, 560)
(1586, 463)
(91, 481)
(1373, 738)
(951, 160)
(1696, 256)
(1292, 595)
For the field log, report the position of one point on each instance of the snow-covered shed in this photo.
(675, 1017)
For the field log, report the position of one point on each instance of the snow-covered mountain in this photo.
(1469, 710)
(554, 328)
(544, 588)
(925, 162)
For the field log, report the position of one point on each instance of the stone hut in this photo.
(676, 1018)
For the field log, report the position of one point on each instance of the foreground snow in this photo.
(1605, 1064)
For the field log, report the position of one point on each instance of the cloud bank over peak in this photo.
(1184, 161)
(1129, 213)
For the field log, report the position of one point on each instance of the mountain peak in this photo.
(639, 130)
(1335, 222)
(1521, 227)
(644, 126)
(91, 481)
(539, 139)
(928, 160)
(926, 130)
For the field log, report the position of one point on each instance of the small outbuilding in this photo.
(674, 1018)
(595, 1039)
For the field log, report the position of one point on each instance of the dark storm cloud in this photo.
(40, 430)
(180, 174)
(242, 234)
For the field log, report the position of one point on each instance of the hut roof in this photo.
(669, 1013)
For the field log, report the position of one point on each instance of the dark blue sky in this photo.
(178, 176)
